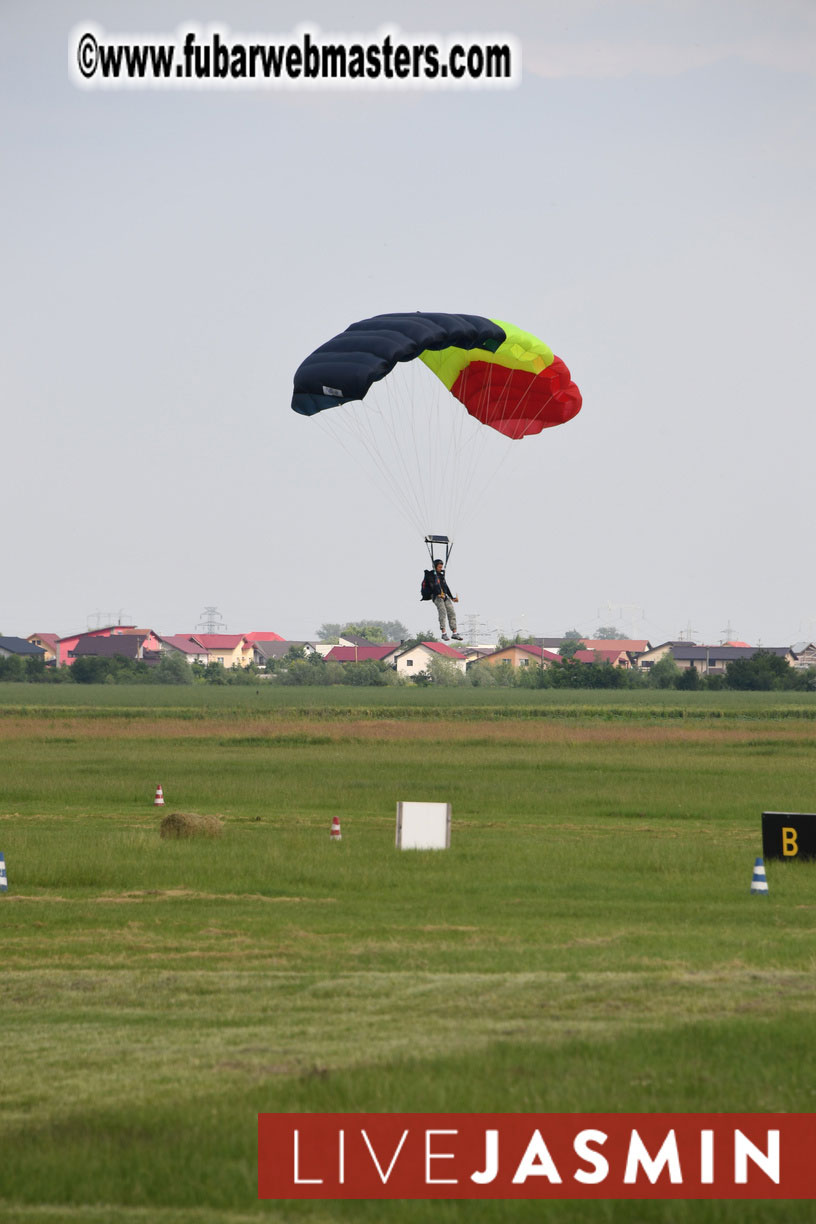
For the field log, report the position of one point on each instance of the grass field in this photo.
(588, 943)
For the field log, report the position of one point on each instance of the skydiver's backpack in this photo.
(428, 587)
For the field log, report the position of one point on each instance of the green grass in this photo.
(588, 943)
(265, 698)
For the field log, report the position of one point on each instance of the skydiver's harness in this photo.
(430, 588)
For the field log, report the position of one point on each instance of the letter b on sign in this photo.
(789, 835)
(790, 842)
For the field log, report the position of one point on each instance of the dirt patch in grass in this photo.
(32, 897)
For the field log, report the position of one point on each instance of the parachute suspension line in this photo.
(504, 401)
(445, 441)
(421, 401)
(459, 459)
(462, 457)
(469, 444)
(424, 456)
(416, 477)
(440, 445)
(427, 418)
(352, 419)
(405, 408)
(434, 464)
(482, 440)
(391, 410)
(432, 447)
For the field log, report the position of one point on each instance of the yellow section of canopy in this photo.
(520, 351)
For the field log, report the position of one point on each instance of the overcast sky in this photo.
(643, 201)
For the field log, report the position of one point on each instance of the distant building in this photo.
(804, 654)
(517, 654)
(361, 654)
(647, 660)
(183, 644)
(229, 649)
(66, 645)
(48, 642)
(345, 639)
(127, 645)
(417, 658)
(713, 660)
(278, 649)
(633, 648)
(21, 647)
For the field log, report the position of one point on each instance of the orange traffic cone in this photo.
(335, 833)
(159, 800)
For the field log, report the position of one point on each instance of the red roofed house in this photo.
(617, 658)
(611, 653)
(231, 649)
(360, 654)
(415, 659)
(263, 635)
(631, 647)
(519, 654)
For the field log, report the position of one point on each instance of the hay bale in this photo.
(190, 824)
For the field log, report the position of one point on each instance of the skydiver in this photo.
(444, 600)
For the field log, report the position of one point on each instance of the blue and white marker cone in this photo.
(3, 878)
(759, 883)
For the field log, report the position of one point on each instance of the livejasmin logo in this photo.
(532, 1156)
(537, 1161)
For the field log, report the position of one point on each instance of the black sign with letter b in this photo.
(789, 835)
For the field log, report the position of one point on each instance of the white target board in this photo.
(423, 826)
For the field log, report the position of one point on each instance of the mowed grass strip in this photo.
(550, 895)
(587, 943)
(196, 1033)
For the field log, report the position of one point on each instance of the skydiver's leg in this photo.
(440, 608)
(451, 614)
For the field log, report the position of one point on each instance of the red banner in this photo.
(536, 1156)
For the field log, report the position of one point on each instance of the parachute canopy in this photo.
(505, 377)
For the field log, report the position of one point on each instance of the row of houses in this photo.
(260, 647)
(642, 655)
(229, 649)
(545, 652)
(131, 642)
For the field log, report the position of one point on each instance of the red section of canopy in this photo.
(517, 403)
